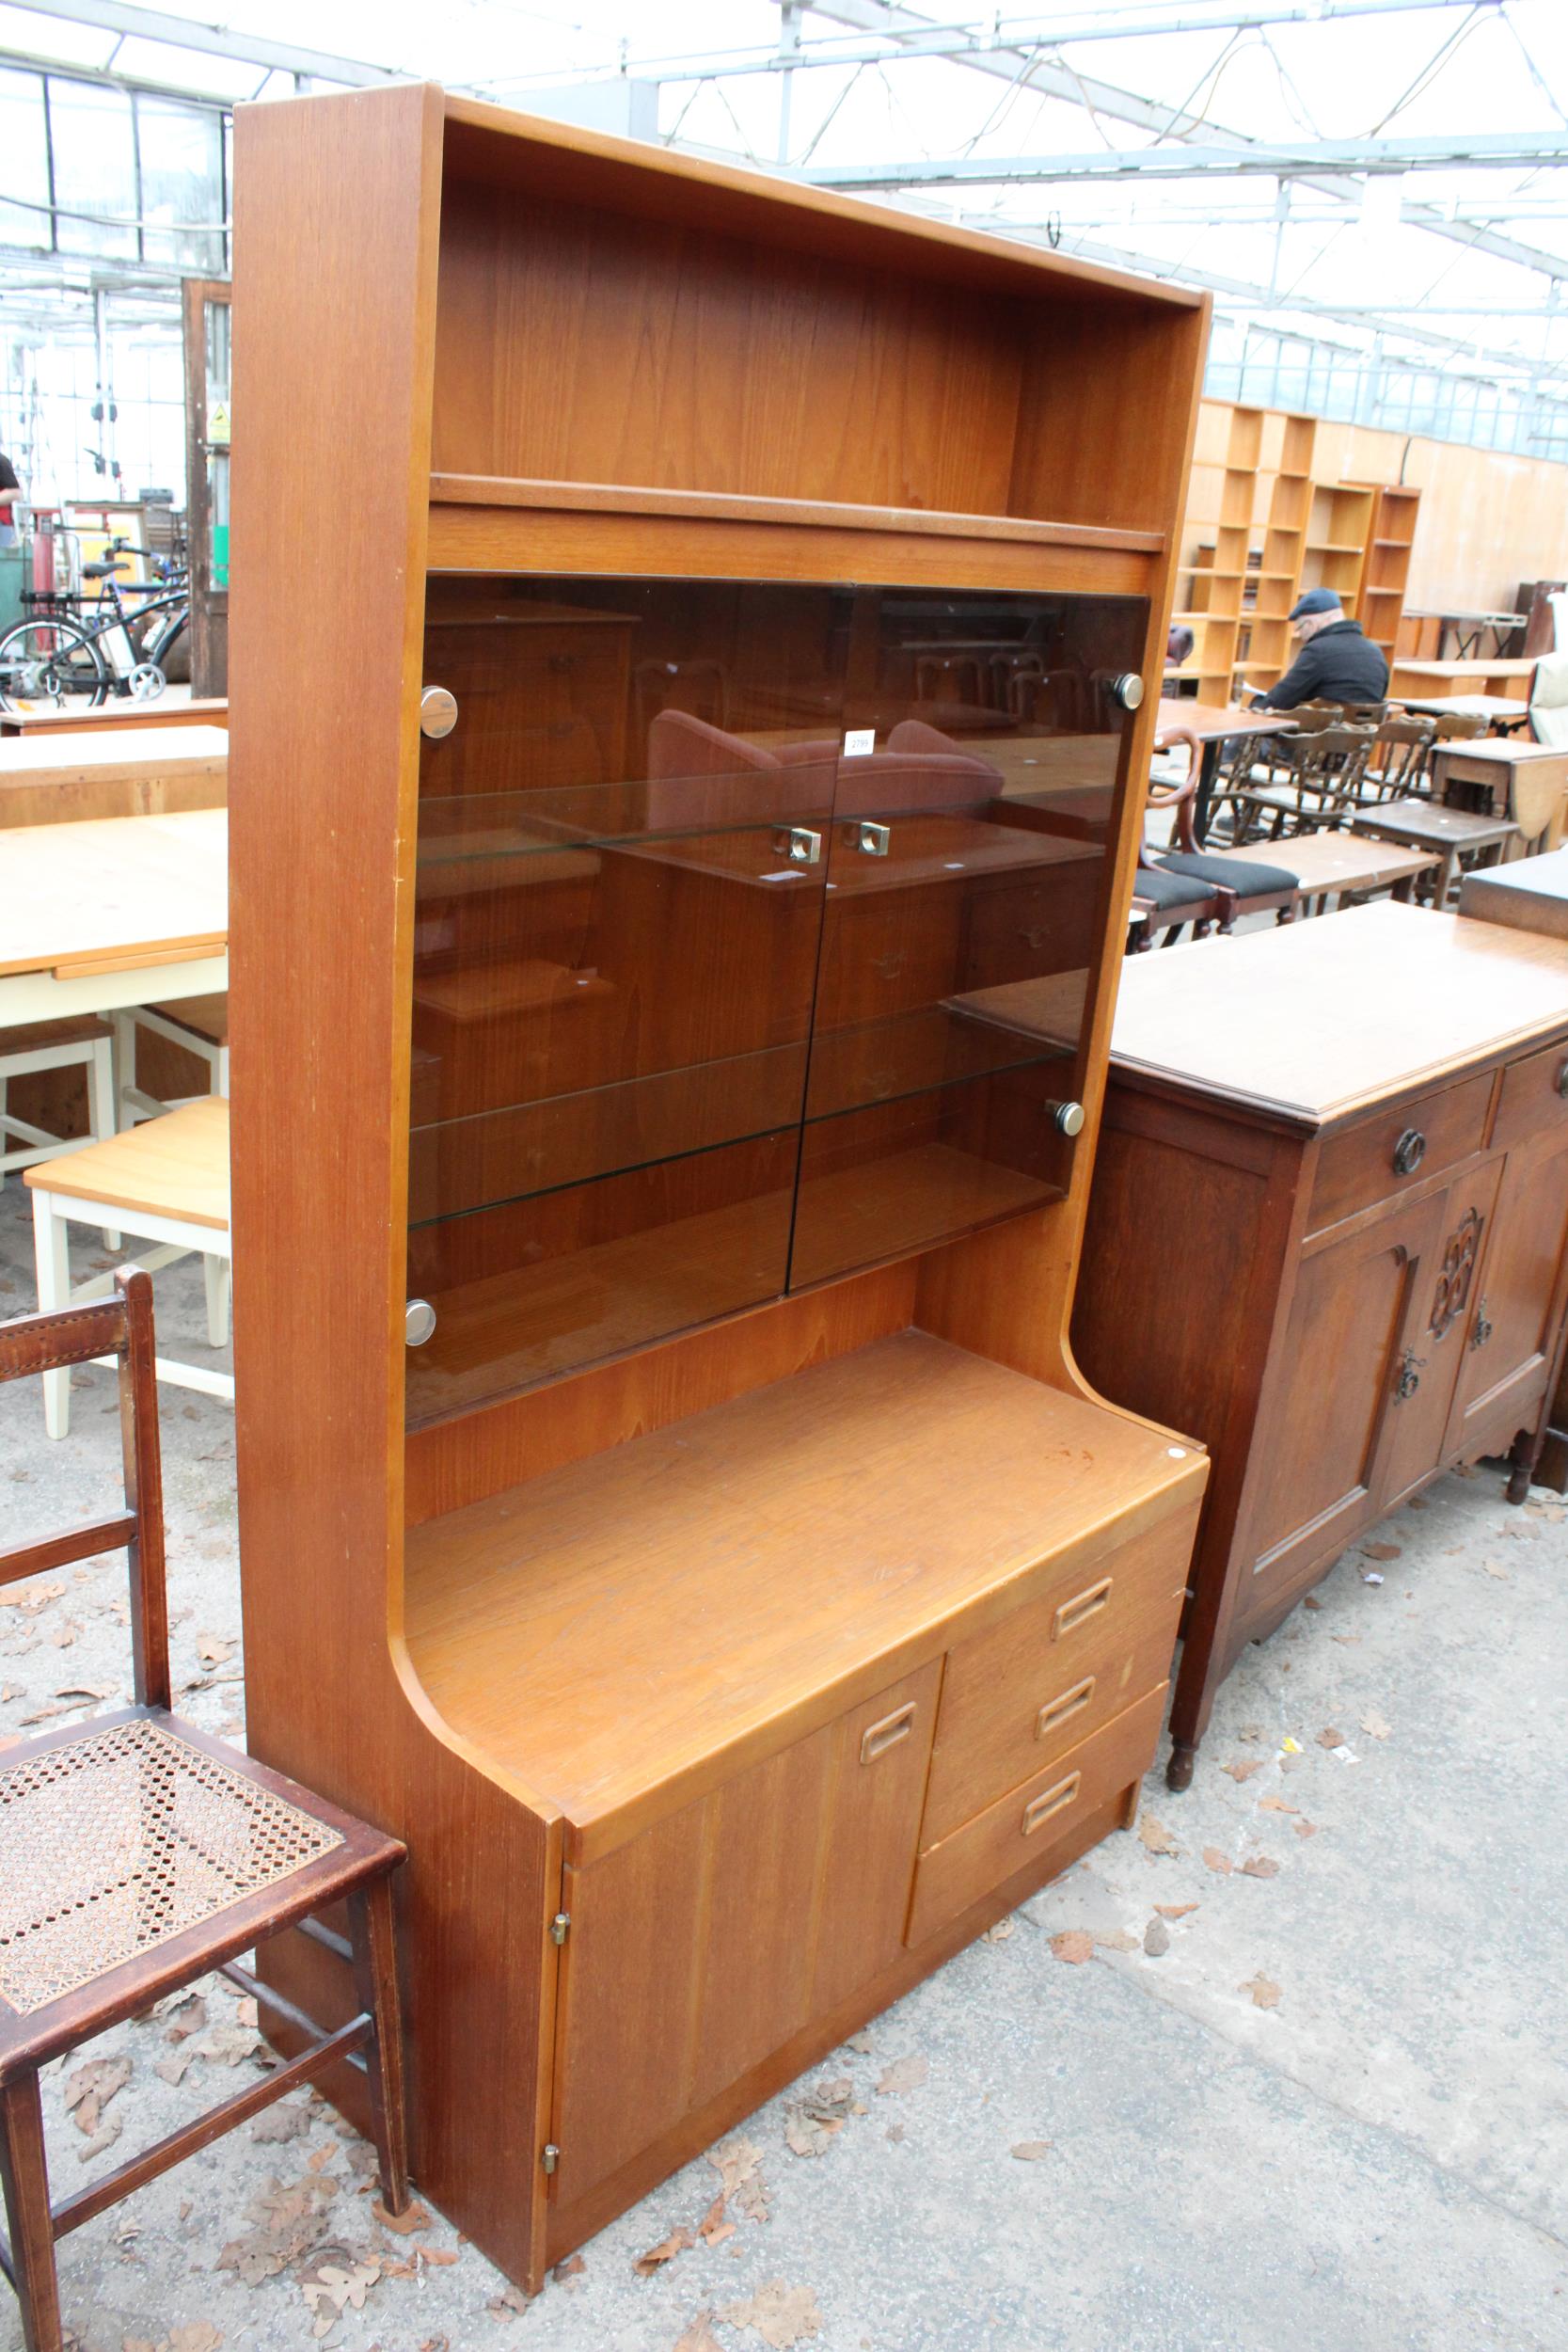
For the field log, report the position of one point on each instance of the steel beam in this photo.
(213, 41)
(1506, 150)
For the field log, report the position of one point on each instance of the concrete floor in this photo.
(1331, 2117)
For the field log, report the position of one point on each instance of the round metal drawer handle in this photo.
(1410, 1150)
(1067, 1118)
(437, 712)
(418, 1322)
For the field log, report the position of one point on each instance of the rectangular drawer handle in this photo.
(1039, 1809)
(1056, 1711)
(1072, 1613)
(877, 1738)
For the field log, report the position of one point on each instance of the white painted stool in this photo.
(166, 1182)
(199, 1024)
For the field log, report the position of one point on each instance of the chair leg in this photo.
(52, 1257)
(220, 1072)
(216, 1272)
(375, 1976)
(125, 1066)
(101, 1118)
(25, 2177)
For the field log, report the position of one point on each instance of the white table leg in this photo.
(101, 1115)
(51, 1251)
(217, 1271)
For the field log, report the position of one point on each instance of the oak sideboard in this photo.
(1329, 1236)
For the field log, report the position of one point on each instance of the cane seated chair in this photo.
(136, 1854)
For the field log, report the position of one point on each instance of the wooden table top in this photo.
(1531, 895)
(1335, 861)
(114, 717)
(114, 892)
(1496, 708)
(1318, 1020)
(1433, 822)
(1505, 666)
(67, 758)
(1504, 751)
(1208, 720)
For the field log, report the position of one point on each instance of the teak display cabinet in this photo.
(739, 1600)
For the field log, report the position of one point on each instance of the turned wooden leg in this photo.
(1183, 1762)
(375, 1976)
(25, 2176)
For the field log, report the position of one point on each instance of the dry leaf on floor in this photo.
(227, 2044)
(1305, 1829)
(1250, 1731)
(1275, 1804)
(1031, 2151)
(1260, 1866)
(573, 2268)
(1155, 1836)
(174, 2070)
(283, 2122)
(1264, 1991)
(1329, 1737)
(862, 2042)
(1174, 1910)
(287, 2222)
(665, 2252)
(105, 2137)
(511, 2303)
(435, 2255)
(780, 2316)
(1074, 1946)
(1214, 1860)
(1000, 1931)
(699, 2336)
(331, 2288)
(1244, 1769)
(417, 2217)
(714, 2228)
(1374, 1723)
(1494, 1567)
(1311, 1601)
(904, 2074)
(1118, 1940)
(32, 1597)
(90, 2089)
(1380, 1551)
(737, 2163)
(201, 2336)
(212, 1649)
(187, 2016)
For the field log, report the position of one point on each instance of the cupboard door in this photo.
(1516, 1302)
(705, 1942)
(975, 797)
(1326, 1419)
(1435, 1346)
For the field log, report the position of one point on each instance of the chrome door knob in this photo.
(1128, 689)
(437, 712)
(418, 1322)
(1067, 1118)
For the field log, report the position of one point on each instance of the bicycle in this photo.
(57, 658)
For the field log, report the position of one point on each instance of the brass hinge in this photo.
(551, 2156)
(559, 1926)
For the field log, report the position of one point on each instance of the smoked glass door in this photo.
(618, 906)
(983, 748)
(752, 931)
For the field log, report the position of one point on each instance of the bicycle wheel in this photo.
(50, 665)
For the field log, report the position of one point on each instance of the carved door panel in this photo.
(1328, 1426)
(1515, 1305)
(1434, 1345)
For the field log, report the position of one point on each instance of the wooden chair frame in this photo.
(1234, 901)
(358, 1869)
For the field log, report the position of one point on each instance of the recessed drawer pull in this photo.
(1072, 1613)
(1039, 1809)
(877, 1738)
(1056, 1711)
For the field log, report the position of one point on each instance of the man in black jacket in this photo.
(1336, 663)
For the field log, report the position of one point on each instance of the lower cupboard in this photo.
(716, 1952)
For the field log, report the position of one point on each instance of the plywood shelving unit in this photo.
(1219, 579)
(1385, 575)
(1276, 581)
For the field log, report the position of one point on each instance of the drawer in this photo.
(1380, 1157)
(1534, 1095)
(1033, 1819)
(1020, 1694)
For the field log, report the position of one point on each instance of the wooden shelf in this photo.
(563, 1626)
(464, 489)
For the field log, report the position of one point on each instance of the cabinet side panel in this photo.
(335, 244)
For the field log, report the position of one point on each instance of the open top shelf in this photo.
(566, 1627)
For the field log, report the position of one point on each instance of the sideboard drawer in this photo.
(1020, 1694)
(1001, 1842)
(1395, 1148)
(1534, 1095)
